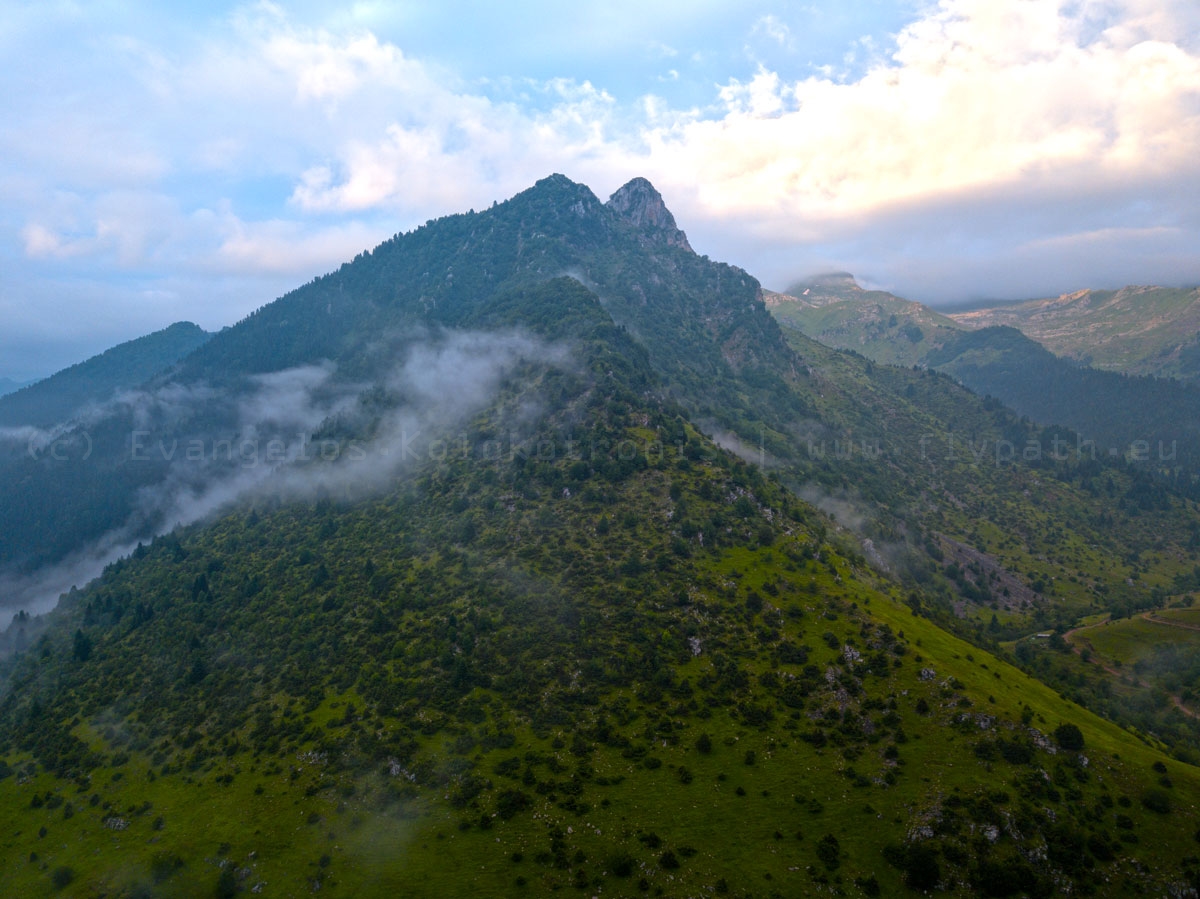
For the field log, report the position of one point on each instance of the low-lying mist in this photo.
(287, 436)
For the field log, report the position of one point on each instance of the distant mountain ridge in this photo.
(830, 287)
(1139, 330)
(1121, 409)
(8, 385)
(833, 309)
(123, 367)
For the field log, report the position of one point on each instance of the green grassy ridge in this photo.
(386, 831)
(882, 327)
(1133, 639)
(1157, 664)
(1188, 616)
(1136, 330)
(1139, 695)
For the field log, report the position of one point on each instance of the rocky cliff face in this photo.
(643, 207)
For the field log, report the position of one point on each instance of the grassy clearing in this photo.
(1135, 639)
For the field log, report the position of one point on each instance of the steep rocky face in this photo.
(643, 207)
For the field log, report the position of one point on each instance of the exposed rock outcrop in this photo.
(642, 206)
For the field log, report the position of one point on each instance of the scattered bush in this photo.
(918, 862)
(62, 877)
(510, 803)
(829, 852)
(622, 864)
(1069, 737)
(1157, 801)
(163, 865)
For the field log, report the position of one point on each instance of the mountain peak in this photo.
(556, 194)
(834, 280)
(556, 181)
(640, 204)
(826, 288)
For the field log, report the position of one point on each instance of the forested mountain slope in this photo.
(8, 385)
(1153, 419)
(612, 670)
(702, 317)
(124, 367)
(499, 618)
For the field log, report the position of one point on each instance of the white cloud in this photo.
(285, 247)
(775, 29)
(41, 242)
(326, 67)
(127, 226)
(762, 97)
(465, 151)
(978, 94)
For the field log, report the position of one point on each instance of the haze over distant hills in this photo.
(1121, 409)
(128, 365)
(8, 385)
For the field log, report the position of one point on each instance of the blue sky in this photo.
(160, 162)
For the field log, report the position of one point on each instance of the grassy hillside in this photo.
(993, 536)
(1135, 330)
(834, 310)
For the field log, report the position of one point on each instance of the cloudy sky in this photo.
(196, 161)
